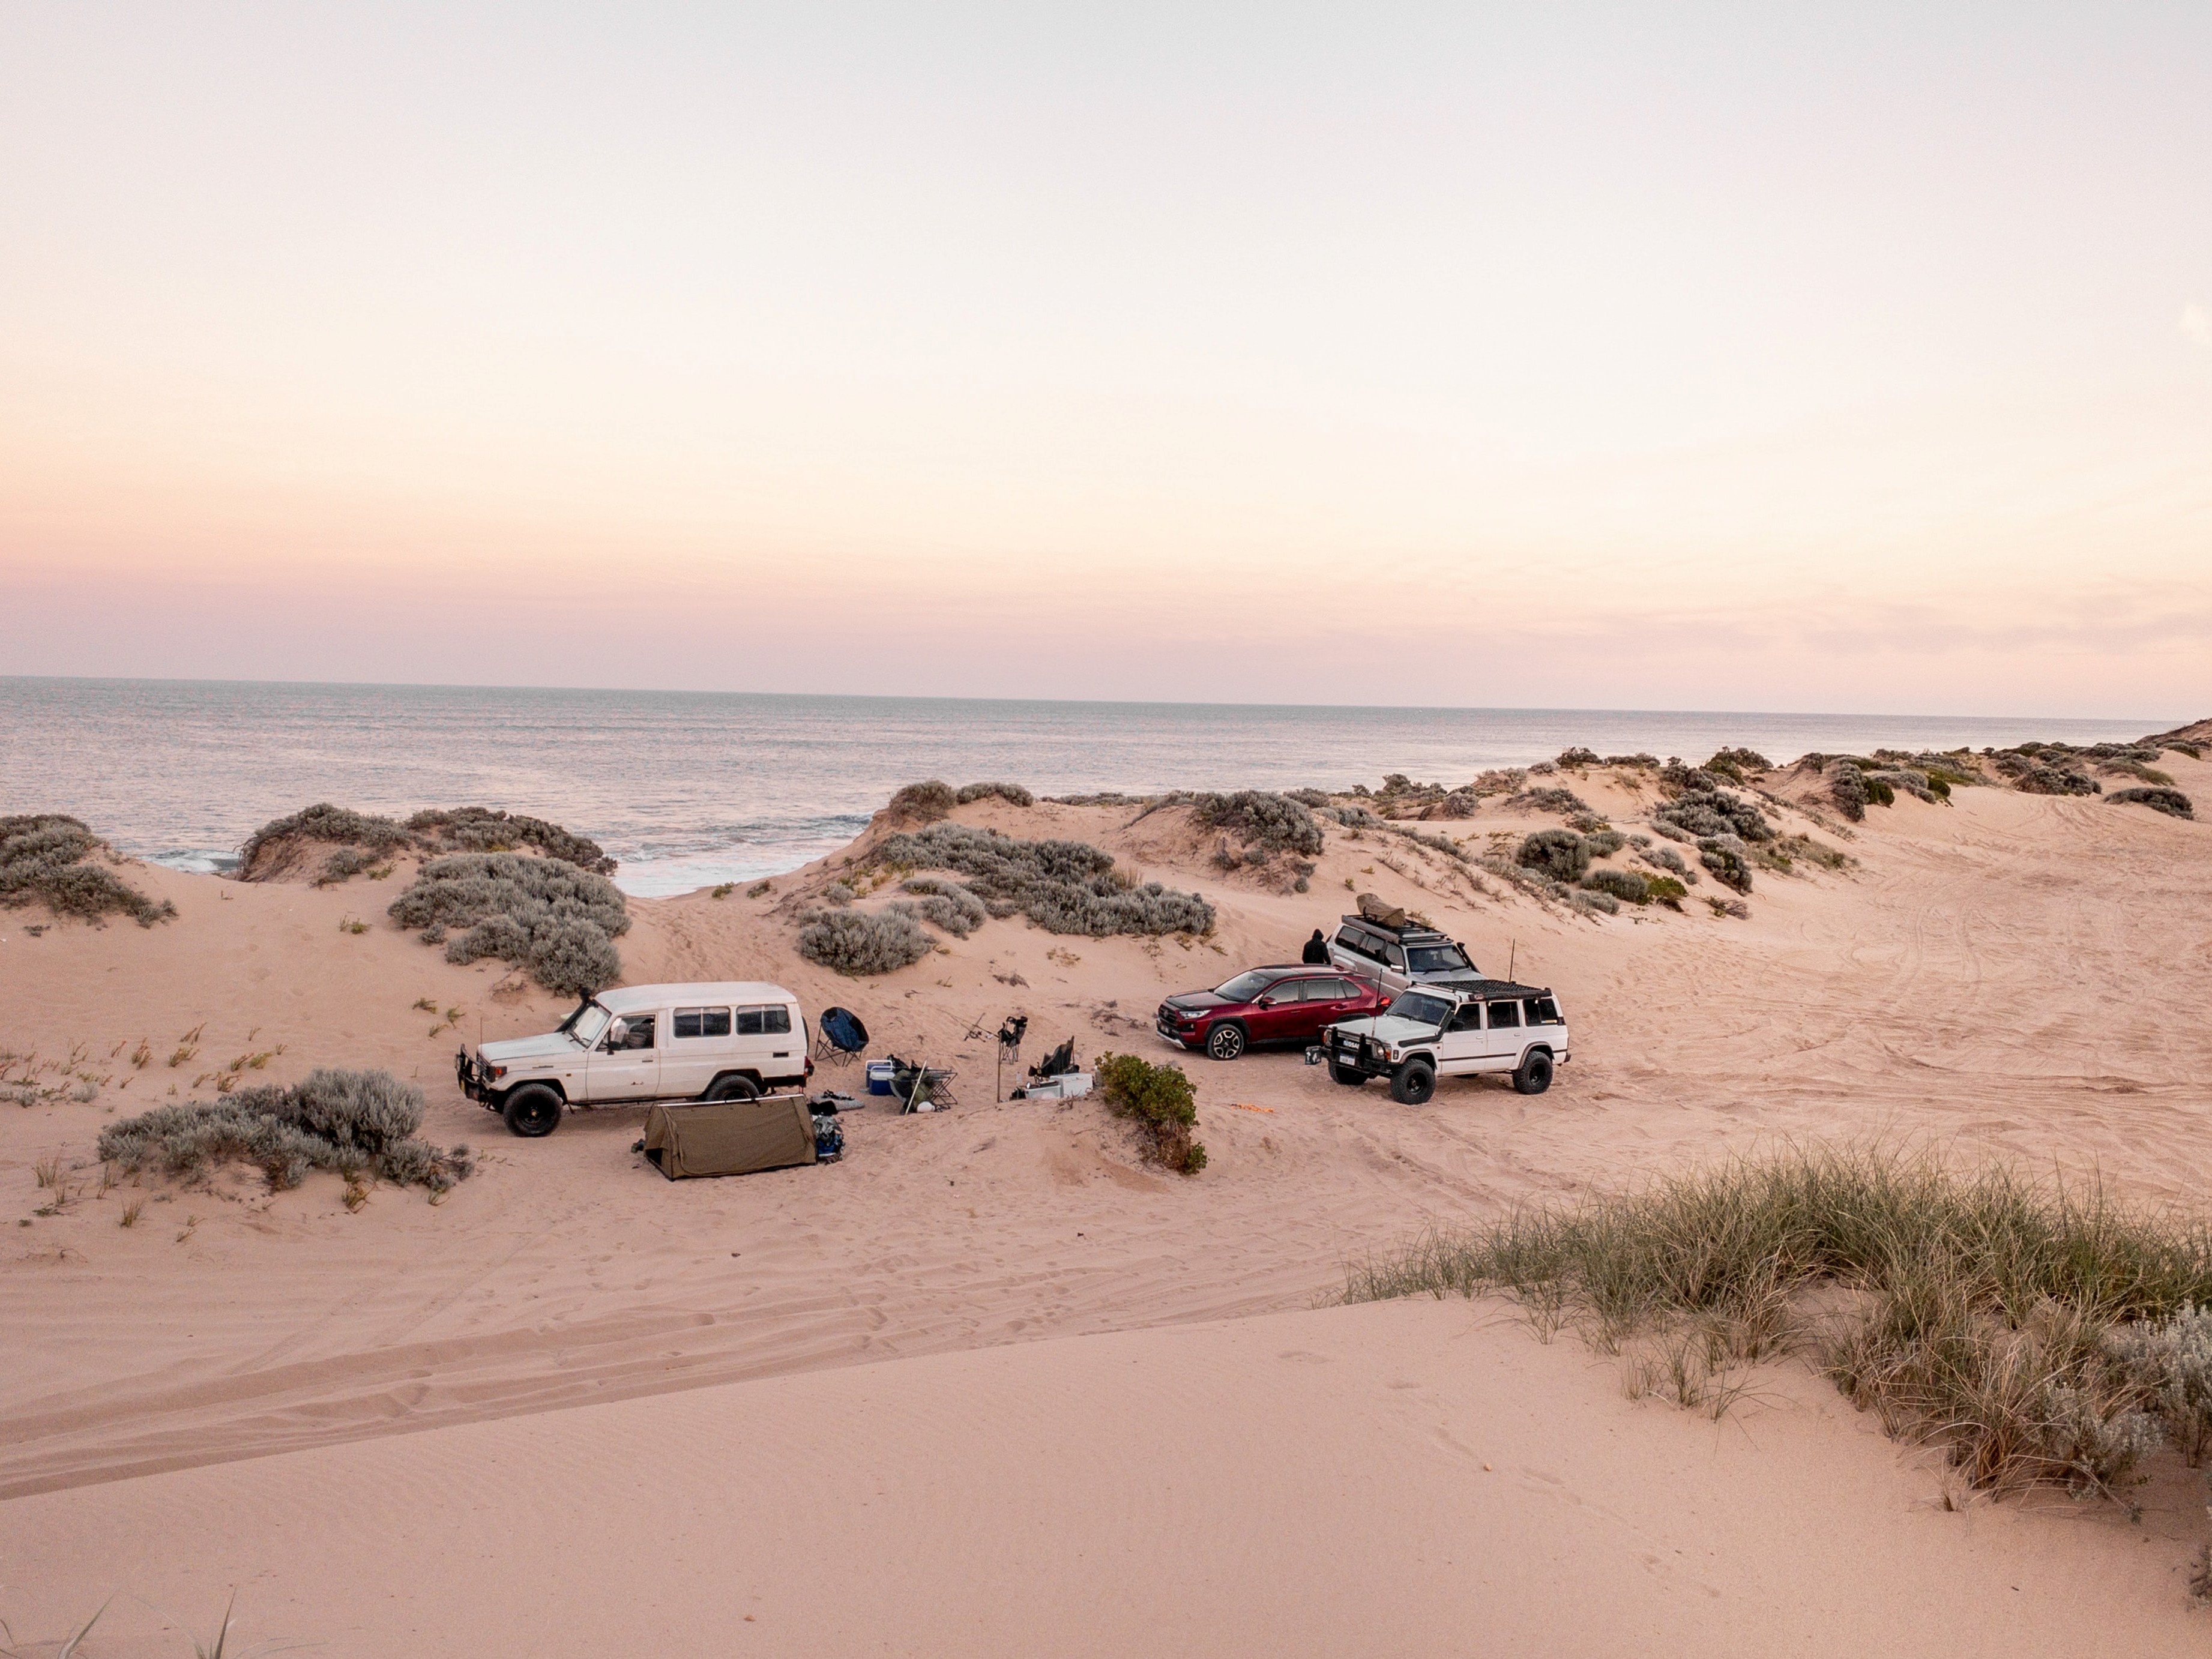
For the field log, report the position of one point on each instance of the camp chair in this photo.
(1057, 1063)
(915, 1085)
(843, 1038)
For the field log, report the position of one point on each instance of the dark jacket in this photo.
(1316, 950)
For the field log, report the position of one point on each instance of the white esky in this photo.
(1629, 357)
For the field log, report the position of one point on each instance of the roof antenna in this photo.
(1512, 956)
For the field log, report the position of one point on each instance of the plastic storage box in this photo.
(879, 1076)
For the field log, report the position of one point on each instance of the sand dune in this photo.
(2020, 974)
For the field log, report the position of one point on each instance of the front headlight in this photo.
(494, 1072)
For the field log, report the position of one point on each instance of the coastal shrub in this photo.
(356, 1124)
(861, 945)
(948, 907)
(1259, 818)
(1501, 782)
(1624, 885)
(1161, 1102)
(537, 912)
(2172, 802)
(1559, 854)
(1727, 859)
(2038, 1332)
(839, 893)
(1639, 759)
(1578, 757)
(366, 837)
(1666, 890)
(1676, 778)
(485, 829)
(1847, 788)
(1063, 886)
(1443, 844)
(42, 857)
(1604, 843)
(1012, 793)
(1704, 813)
(1548, 799)
(1354, 817)
(1666, 858)
(1596, 901)
(923, 803)
(1735, 762)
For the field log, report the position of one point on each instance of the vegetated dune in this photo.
(2013, 974)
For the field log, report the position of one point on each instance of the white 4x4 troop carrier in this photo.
(734, 1040)
(1491, 1026)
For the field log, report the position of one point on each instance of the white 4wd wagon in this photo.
(733, 1041)
(1429, 1032)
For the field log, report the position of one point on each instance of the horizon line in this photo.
(1064, 702)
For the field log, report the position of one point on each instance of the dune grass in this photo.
(2037, 1331)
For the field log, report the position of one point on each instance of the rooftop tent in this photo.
(729, 1137)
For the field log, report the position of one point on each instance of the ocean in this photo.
(689, 788)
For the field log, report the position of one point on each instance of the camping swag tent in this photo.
(729, 1137)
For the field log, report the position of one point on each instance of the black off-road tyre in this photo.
(1226, 1041)
(1350, 1077)
(734, 1088)
(1534, 1075)
(533, 1110)
(1414, 1083)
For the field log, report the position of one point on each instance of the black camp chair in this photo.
(1060, 1062)
(915, 1085)
(843, 1038)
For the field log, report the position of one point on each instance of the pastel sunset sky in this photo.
(1852, 358)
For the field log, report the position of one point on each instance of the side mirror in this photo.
(1265, 1002)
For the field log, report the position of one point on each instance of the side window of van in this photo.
(702, 1022)
(773, 1019)
(1348, 939)
(1542, 1011)
(1505, 1014)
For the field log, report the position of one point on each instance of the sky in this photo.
(1842, 358)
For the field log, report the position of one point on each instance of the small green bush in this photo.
(2172, 802)
(1665, 890)
(1559, 854)
(1624, 885)
(857, 944)
(1735, 762)
(356, 1124)
(1012, 793)
(42, 857)
(1577, 758)
(1161, 1101)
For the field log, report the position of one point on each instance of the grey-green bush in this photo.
(1728, 860)
(1595, 901)
(1666, 858)
(275, 847)
(1624, 885)
(1604, 843)
(484, 829)
(1012, 793)
(944, 905)
(355, 1124)
(2172, 802)
(1258, 818)
(41, 858)
(1063, 886)
(1548, 799)
(923, 803)
(538, 914)
(1559, 854)
(1705, 813)
(861, 945)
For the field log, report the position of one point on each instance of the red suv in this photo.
(1266, 1005)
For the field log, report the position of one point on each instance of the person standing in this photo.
(1316, 950)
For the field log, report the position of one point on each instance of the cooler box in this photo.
(879, 1076)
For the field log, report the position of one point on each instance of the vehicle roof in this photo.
(1475, 990)
(636, 998)
(1402, 934)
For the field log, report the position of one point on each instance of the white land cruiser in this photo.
(644, 1042)
(1493, 1026)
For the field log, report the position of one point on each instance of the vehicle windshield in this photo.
(1437, 959)
(1244, 986)
(583, 1027)
(1421, 1008)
